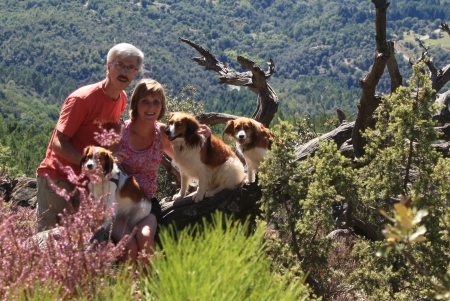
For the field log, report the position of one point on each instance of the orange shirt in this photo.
(81, 115)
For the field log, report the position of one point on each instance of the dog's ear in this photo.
(256, 128)
(85, 154)
(270, 136)
(109, 163)
(229, 129)
(191, 127)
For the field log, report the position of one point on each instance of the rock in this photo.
(24, 192)
(41, 239)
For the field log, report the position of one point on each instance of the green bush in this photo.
(218, 261)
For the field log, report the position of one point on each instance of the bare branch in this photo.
(341, 115)
(369, 101)
(394, 72)
(445, 28)
(255, 80)
(442, 78)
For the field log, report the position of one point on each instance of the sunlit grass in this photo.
(217, 262)
(443, 40)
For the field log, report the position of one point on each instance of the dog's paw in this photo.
(197, 197)
(177, 197)
(209, 194)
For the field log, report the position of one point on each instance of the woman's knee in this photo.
(146, 231)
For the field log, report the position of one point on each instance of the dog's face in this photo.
(243, 130)
(97, 160)
(181, 125)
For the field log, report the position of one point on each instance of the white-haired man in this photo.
(82, 114)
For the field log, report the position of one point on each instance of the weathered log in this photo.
(240, 202)
(443, 148)
(342, 136)
(339, 135)
(444, 114)
(212, 118)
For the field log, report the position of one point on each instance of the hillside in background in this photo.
(321, 48)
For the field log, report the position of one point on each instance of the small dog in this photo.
(119, 189)
(253, 140)
(210, 160)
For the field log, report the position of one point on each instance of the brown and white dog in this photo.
(211, 161)
(252, 140)
(117, 188)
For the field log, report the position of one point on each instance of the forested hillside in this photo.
(320, 48)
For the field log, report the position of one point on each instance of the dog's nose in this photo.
(90, 166)
(241, 136)
(167, 131)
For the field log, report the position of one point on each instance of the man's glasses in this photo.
(121, 67)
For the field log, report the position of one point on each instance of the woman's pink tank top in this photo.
(144, 164)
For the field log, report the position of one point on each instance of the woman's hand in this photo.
(119, 157)
(204, 130)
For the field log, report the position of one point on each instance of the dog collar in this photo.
(114, 180)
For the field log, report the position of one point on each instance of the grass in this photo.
(443, 41)
(219, 261)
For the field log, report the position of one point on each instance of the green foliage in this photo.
(297, 197)
(49, 48)
(403, 232)
(184, 102)
(23, 148)
(400, 145)
(403, 163)
(237, 101)
(218, 261)
(123, 285)
(321, 50)
(399, 163)
(6, 160)
(41, 293)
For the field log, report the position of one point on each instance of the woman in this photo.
(139, 154)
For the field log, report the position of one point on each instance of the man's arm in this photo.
(63, 148)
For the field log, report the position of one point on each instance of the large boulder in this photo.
(20, 191)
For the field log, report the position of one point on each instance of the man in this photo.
(82, 114)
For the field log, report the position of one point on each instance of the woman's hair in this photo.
(146, 87)
(125, 50)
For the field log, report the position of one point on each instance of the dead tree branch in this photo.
(369, 101)
(255, 80)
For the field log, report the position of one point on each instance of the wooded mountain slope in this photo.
(321, 48)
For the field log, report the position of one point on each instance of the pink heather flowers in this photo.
(106, 138)
(66, 260)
